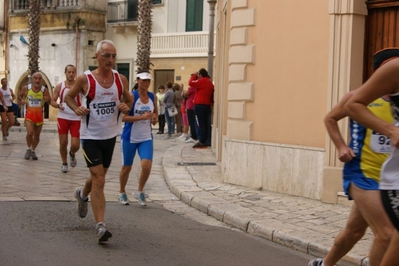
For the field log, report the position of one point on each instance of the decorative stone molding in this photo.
(243, 17)
(237, 72)
(240, 55)
(239, 129)
(242, 91)
(236, 110)
(238, 36)
(239, 4)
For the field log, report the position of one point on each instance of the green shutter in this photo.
(194, 13)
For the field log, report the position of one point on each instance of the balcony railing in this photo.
(187, 44)
(23, 5)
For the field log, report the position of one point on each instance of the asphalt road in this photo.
(50, 233)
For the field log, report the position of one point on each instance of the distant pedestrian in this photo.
(203, 101)
(189, 95)
(184, 136)
(7, 97)
(161, 109)
(137, 136)
(33, 96)
(67, 120)
(102, 90)
(178, 101)
(169, 99)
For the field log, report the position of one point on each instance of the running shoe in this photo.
(168, 136)
(4, 138)
(33, 155)
(141, 199)
(64, 168)
(27, 154)
(123, 200)
(315, 262)
(82, 204)
(72, 159)
(102, 233)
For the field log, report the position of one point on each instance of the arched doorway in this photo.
(24, 80)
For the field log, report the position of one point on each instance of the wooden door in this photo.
(382, 30)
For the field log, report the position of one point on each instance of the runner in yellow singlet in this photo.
(33, 96)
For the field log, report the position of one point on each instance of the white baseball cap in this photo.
(144, 75)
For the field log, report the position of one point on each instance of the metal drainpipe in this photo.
(212, 4)
(77, 19)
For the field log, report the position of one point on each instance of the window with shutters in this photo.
(194, 13)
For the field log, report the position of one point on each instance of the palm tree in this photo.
(144, 34)
(33, 31)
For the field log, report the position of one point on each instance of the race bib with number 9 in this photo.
(380, 143)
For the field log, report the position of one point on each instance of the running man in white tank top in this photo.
(67, 120)
(105, 97)
(7, 97)
(384, 81)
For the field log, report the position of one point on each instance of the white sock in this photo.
(82, 196)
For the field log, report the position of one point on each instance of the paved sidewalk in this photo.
(302, 224)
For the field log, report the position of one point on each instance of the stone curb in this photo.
(183, 184)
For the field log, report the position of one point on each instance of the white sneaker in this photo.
(123, 199)
(190, 140)
(64, 168)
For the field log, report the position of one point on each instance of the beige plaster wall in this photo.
(290, 73)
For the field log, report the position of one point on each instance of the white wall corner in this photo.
(243, 91)
(342, 7)
(236, 110)
(239, 36)
(239, 4)
(243, 17)
(239, 129)
(242, 54)
(237, 73)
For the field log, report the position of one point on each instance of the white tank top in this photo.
(390, 168)
(67, 113)
(7, 96)
(104, 120)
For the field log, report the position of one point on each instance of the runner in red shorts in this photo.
(67, 120)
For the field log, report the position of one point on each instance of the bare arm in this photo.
(80, 86)
(56, 94)
(3, 102)
(384, 81)
(22, 95)
(12, 95)
(155, 113)
(345, 154)
(46, 96)
(127, 103)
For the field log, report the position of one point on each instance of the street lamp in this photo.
(212, 4)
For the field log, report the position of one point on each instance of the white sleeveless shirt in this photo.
(67, 113)
(104, 120)
(7, 96)
(390, 168)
